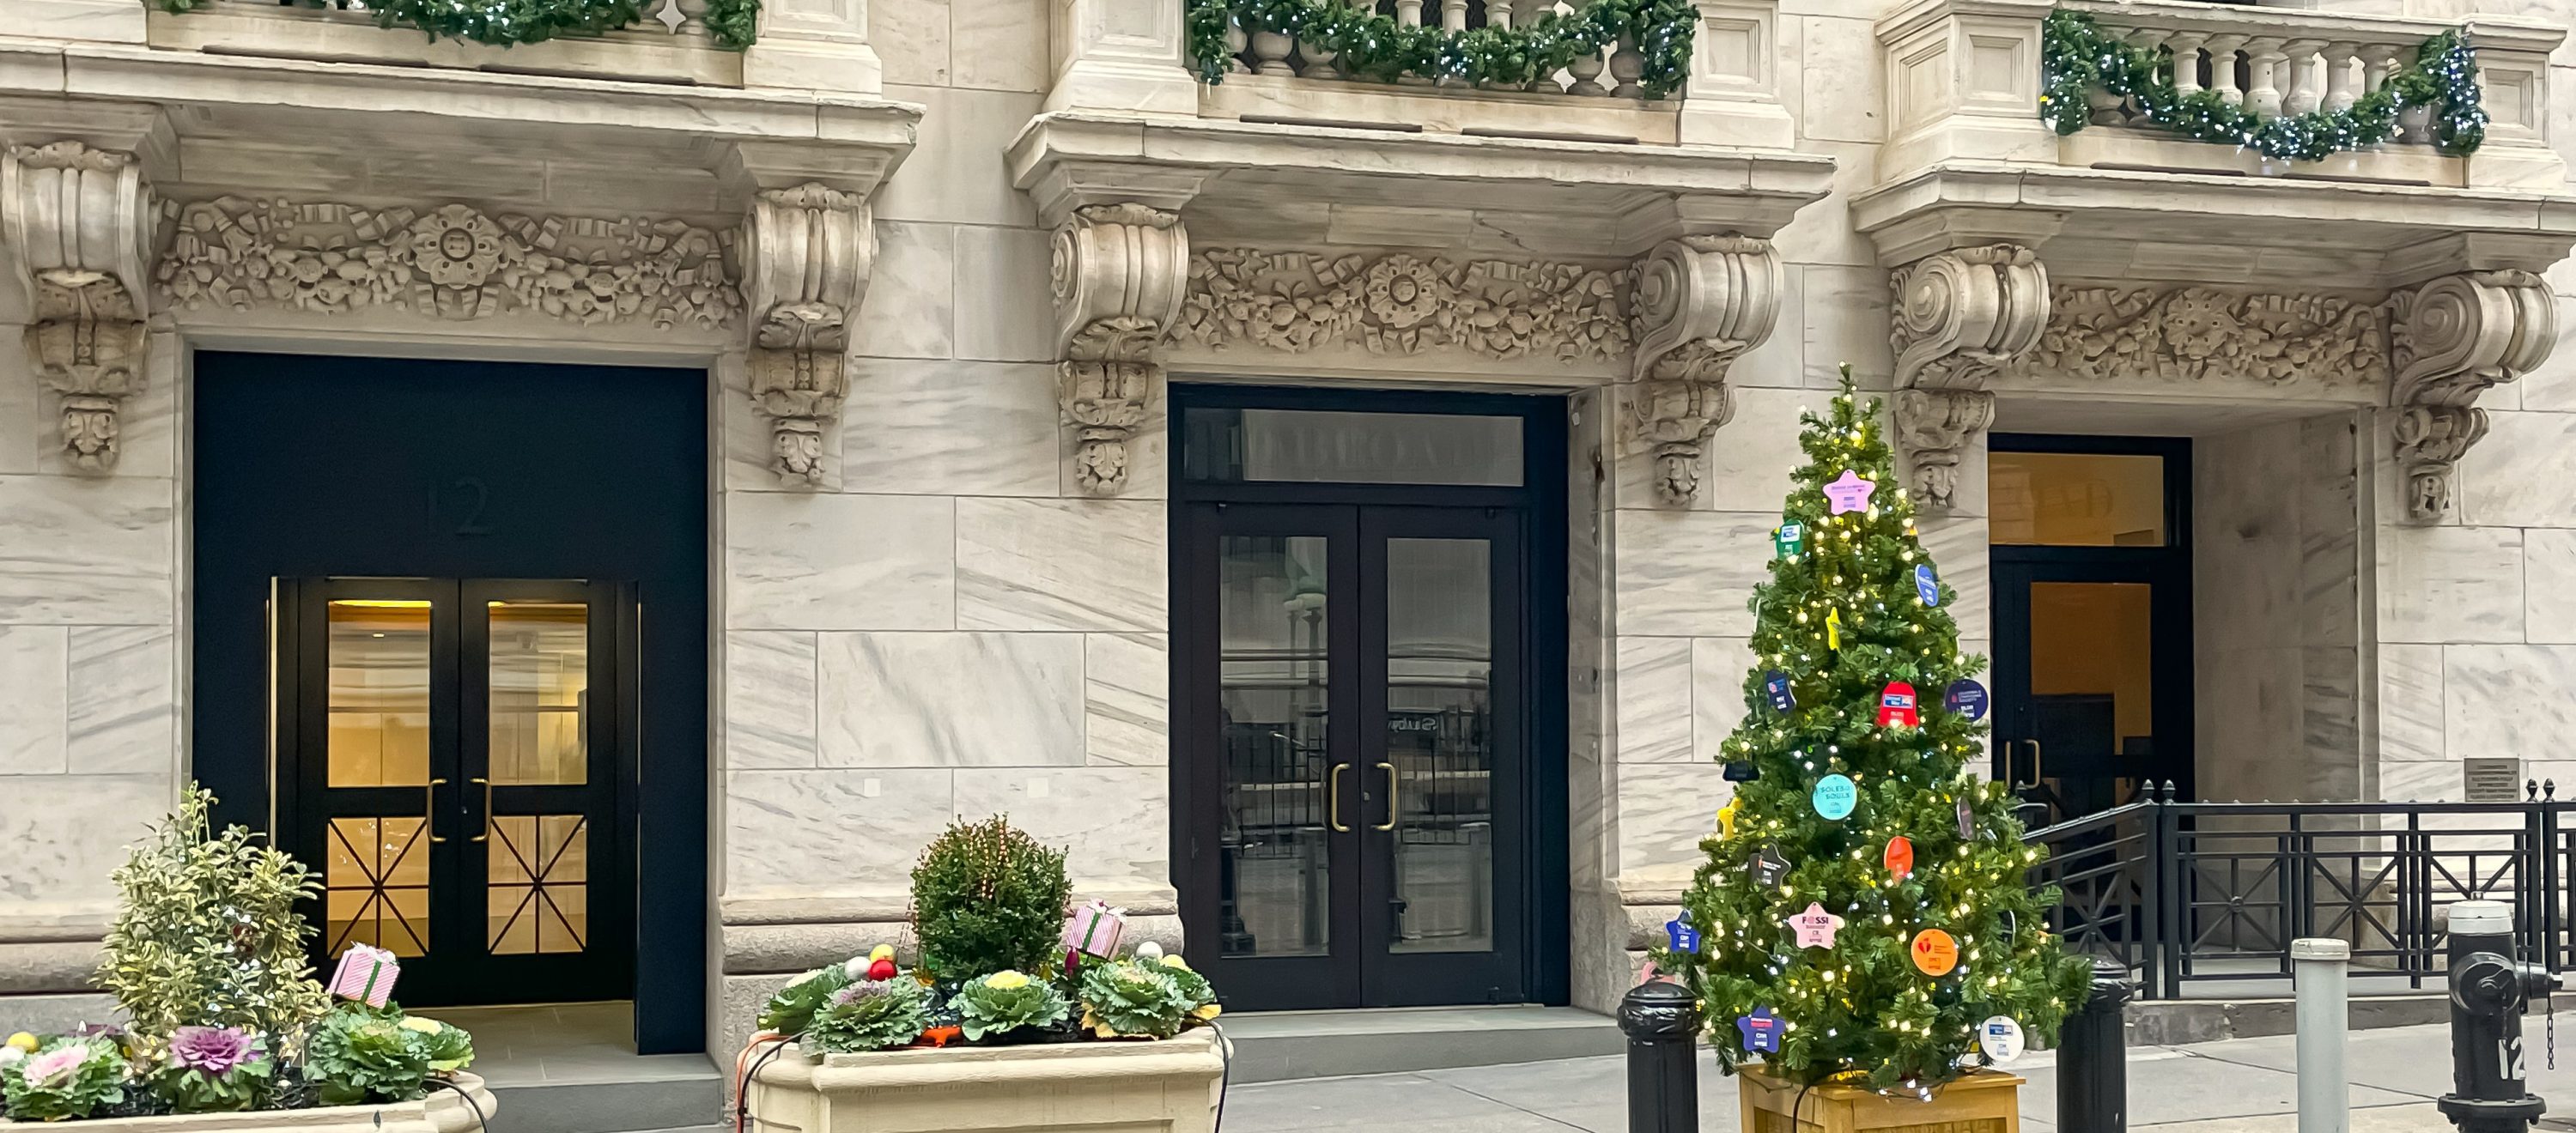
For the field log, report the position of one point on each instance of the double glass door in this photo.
(450, 759)
(1355, 750)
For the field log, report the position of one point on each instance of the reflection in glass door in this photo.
(449, 753)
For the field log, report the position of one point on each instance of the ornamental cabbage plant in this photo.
(357, 1056)
(65, 1078)
(1007, 1001)
(1134, 998)
(214, 1070)
(869, 1015)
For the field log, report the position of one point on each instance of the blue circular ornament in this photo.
(1835, 796)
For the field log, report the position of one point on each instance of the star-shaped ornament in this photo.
(1761, 1030)
(1815, 927)
(1848, 493)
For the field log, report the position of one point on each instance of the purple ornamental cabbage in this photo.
(864, 989)
(214, 1050)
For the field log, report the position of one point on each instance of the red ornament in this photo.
(881, 969)
(1896, 706)
(1899, 856)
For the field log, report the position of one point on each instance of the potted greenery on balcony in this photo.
(226, 1028)
(1020, 1013)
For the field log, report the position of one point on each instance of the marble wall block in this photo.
(1719, 666)
(1005, 310)
(2552, 387)
(2411, 702)
(1664, 811)
(1844, 313)
(2501, 700)
(769, 699)
(1780, 362)
(67, 833)
(1689, 573)
(2549, 585)
(24, 432)
(2435, 780)
(949, 428)
(912, 37)
(123, 706)
(1126, 699)
(1000, 44)
(749, 438)
(854, 831)
(1113, 822)
(1652, 692)
(2252, 726)
(1060, 564)
(147, 441)
(1149, 454)
(956, 172)
(911, 289)
(1822, 233)
(949, 699)
(1843, 93)
(1748, 463)
(839, 562)
(34, 692)
(2450, 584)
(2329, 515)
(87, 550)
(2519, 476)
(2245, 540)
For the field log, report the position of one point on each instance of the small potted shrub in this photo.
(998, 1023)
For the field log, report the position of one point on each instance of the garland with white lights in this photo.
(2077, 58)
(731, 24)
(1369, 45)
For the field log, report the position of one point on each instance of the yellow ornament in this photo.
(881, 952)
(1173, 960)
(1833, 629)
(1726, 819)
(24, 1041)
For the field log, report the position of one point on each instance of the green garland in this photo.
(501, 23)
(2077, 58)
(1374, 46)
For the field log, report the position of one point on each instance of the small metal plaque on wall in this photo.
(2492, 780)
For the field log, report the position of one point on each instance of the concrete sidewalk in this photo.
(2244, 1086)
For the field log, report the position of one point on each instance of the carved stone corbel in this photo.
(1699, 303)
(1961, 316)
(806, 256)
(80, 224)
(1120, 273)
(2450, 341)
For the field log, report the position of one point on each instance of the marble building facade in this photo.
(941, 259)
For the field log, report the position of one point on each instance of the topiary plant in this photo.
(987, 898)
(207, 933)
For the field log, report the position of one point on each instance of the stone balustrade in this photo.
(1272, 53)
(670, 46)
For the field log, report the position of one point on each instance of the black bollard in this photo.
(2093, 1056)
(1661, 1020)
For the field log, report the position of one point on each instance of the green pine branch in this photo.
(1374, 46)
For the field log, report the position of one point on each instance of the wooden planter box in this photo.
(1127, 1087)
(441, 1112)
(1987, 1101)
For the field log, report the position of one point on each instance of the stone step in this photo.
(661, 1103)
(1279, 1046)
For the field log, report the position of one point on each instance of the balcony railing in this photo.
(670, 46)
(1273, 53)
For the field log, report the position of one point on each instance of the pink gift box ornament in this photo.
(366, 974)
(1093, 929)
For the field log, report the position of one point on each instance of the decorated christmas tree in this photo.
(1863, 912)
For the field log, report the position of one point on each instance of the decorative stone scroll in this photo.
(2451, 340)
(1119, 272)
(2200, 333)
(806, 254)
(1961, 317)
(1699, 303)
(79, 225)
(1398, 303)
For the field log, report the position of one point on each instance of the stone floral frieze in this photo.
(2200, 333)
(1398, 303)
(451, 262)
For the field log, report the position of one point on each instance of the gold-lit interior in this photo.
(375, 878)
(2076, 499)
(539, 899)
(379, 693)
(540, 689)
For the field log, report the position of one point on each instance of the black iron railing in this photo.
(2203, 894)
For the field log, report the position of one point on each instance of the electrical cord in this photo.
(1224, 1073)
(743, 1077)
(481, 1122)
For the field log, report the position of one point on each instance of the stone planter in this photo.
(441, 1112)
(1987, 1101)
(1132, 1087)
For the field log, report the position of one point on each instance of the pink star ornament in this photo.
(1849, 493)
(1815, 926)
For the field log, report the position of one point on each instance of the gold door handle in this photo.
(1389, 824)
(1333, 798)
(2038, 768)
(429, 808)
(486, 835)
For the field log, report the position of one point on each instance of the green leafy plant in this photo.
(1007, 1001)
(358, 1055)
(66, 1078)
(214, 1070)
(987, 898)
(791, 1009)
(1864, 808)
(731, 24)
(2077, 57)
(1134, 999)
(869, 1015)
(207, 933)
(1374, 46)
